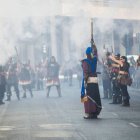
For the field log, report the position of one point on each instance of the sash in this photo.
(92, 63)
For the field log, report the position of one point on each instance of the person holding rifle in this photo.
(116, 95)
(123, 65)
(90, 88)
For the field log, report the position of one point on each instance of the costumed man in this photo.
(107, 89)
(79, 74)
(40, 76)
(123, 78)
(117, 95)
(25, 80)
(137, 73)
(12, 80)
(90, 88)
(2, 84)
(53, 76)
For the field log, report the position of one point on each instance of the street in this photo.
(54, 118)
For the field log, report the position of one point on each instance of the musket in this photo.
(18, 60)
(16, 52)
(92, 39)
(104, 47)
(112, 49)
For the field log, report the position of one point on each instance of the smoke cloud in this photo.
(18, 18)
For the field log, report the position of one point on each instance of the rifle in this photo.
(18, 60)
(112, 49)
(92, 40)
(93, 46)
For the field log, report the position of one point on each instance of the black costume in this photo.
(12, 80)
(53, 76)
(90, 84)
(125, 94)
(25, 80)
(2, 85)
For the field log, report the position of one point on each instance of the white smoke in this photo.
(15, 14)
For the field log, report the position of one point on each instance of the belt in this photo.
(92, 80)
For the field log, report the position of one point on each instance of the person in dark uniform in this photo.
(2, 84)
(137, 72)
(124, 71)
(79, 74)
(25, 80)
(70, 76)
(53, 76)
(12, 81)
(90, 88)
(40, 76)
(117, 94)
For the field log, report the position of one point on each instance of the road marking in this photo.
(6, 128)
(82, 136)
(134, 125)
(115, 114)
(55, 125)
(62, 134)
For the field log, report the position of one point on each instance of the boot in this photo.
(24, 95)
(1, 102)
(125, 101)
(48, 94)
(93, 115)
(119, 99)
(8, 98)
(109, 95)
(18, 97)
(59, 93)
(114, 100)
(31, 94)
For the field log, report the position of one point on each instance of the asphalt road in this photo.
(54, 118)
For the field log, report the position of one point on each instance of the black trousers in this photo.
(9, 93)
(2, 91)
(125, 94)
(92, 90)
(117, 93)
(58, 90)
(27, 87)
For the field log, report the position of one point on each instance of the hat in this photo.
(89, 50)
(117, 55)
(108, 53)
